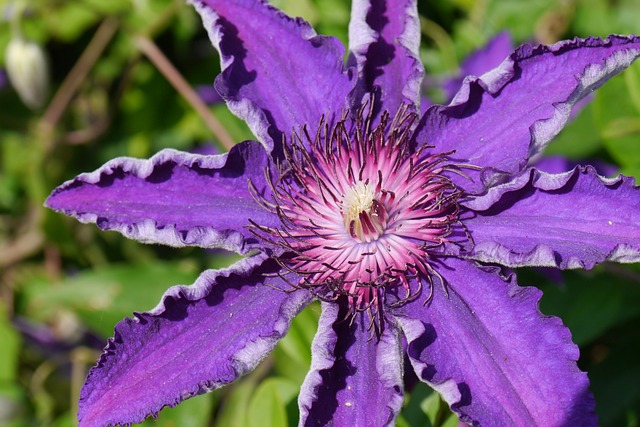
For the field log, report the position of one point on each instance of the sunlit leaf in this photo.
(233, 410)
(102, 297)
(581, 138)
(194, 412)
(268, 406)
(69, 20)
(9, 355)
(415, 412)
(614, 117)
(302, 8)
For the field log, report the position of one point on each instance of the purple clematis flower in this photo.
(403, 226)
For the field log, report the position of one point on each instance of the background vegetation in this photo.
(114, 91)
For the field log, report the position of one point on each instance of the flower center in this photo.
(364, 217)
(362, 213)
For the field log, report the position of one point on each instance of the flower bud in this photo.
(28, 71)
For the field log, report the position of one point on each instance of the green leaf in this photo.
(437, 411)
(622, 127)
(508, 14)
(102, 297)
(70, 20)
(425, 407)
(333, 18)
(430, 406)
(592, 302)
(616, 122)
(402, 422)
(632, 80)
(9, 356)
(305, 9)
(193, 412)
(12, 397)
(615, 375)
(110, 7)
(414, 414)
(451, 421)
(580, 139)
(66, 420)
(631, 171)
(292, 355)
(234, 407)
(594, 18)
(237, 128)
(297, 343)
(13, 408)
(268, 407)
(603, 17)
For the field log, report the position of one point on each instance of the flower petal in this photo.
(384, 38)
(498, 121)
(571, 220)
(199, 338)
(492, 355)
(561, 164)
(174, 198)
(481, 61)
(354, 380)
(277, 74)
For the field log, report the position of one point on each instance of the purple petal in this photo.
(560, 164)
(571, 220)
(174, 198)
(198, 338)
(277, 74)
(206, 149)
(490, 56)
(511, 113)
(425, 103)
(492, 355)
(384, 38)
(208, 94)
(355, 379)
(481, 61)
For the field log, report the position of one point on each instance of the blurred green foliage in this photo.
(64, 285)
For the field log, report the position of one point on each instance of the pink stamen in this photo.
(360, 211)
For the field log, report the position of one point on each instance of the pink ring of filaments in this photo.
(360, 212)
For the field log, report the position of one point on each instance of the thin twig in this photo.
(155, 55)
(29, 240)
(442, 39)
(82, 136)
(78, 74)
